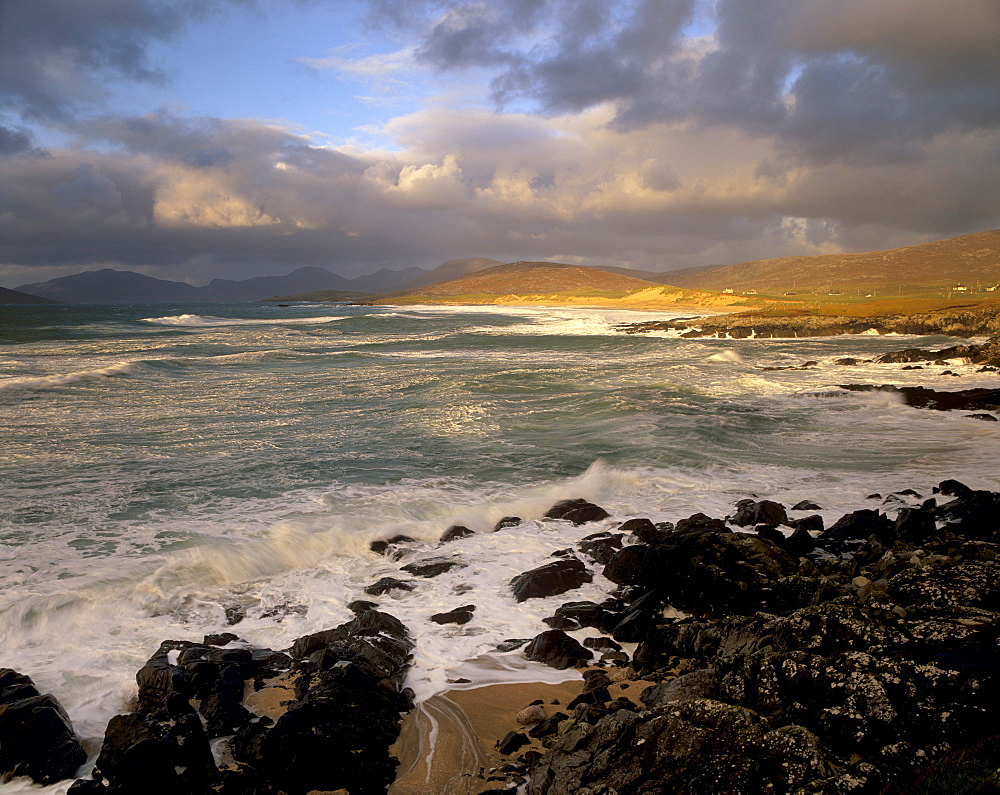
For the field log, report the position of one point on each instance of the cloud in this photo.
(652, 133)
(190, 197)
(55, 56)
(854, 79)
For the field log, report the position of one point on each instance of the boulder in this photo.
(750, 512)
(36, 737)
(507, 521)
(386, 584)
(551, 579)
(433, 567)
(383, 546)
(600, 547)
(456, 531)
(460, 615)
(577, 511)
(557, 649)
(699, 522)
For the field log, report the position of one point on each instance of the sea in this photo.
(169, 471)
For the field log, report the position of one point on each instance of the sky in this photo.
(194, 139)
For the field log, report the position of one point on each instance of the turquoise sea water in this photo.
(162, 464)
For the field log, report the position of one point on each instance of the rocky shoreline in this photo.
(964, 323)
(770, 653)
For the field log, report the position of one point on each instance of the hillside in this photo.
(560, 284)
(17, 297)
(939, 265)
(526, 278)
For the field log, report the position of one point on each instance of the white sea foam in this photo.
(202, 321)
(65, 379)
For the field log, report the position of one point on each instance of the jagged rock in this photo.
(557, 649)
(854, 527)
(973, 514)
(923, 398)
(601, 547)
(383, 546)
(512, 742)
(551, 579)
(707, 571)
(694, 746)
(338, 732)
(764, 512)
(577, 511)
(460, 615)
(456, 531)
(699, 522)
(362, 606)
(586, 614)
(36, 737)
(386, 584)
(432, 568)
(507, 521)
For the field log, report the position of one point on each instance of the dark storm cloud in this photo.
(55, 56)
(827, 79)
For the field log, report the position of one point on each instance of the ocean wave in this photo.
(208, 321)
(64, 379)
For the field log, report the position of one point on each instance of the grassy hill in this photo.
(927, 270)
(556, 283)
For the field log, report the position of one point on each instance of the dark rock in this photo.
(643, 529)
(694, 746)
(801, 543)
(551, 579)
(512, 742)
(381, 546)
(973, 514)
(577, 511)
(223, 639)
(750, 512)
(460, 615)
(847, 362)
(511, 644)
(140, 755)
(585, 614)
(813, 523)
(914, 524)
(854, 527)
(699, 522)
(337, 734)
(601, 547)
(362, 606)
(87, 786)
(640, 616)
(507, 521)
(770, 533)
(806, 505)
(557, 649)
(601, 643)
(548, 726)
(456, 531)
(986, 417)
(708, 571)
(432, 568)
(235, 614)
(923, 398)
(387, 584)
(36, 737)
(952, 488)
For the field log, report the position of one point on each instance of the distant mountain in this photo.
(452, 269)
(385, 279)
(301, 280)
(109, 286)
(16, 297)
(526, 278)
(946, 263)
